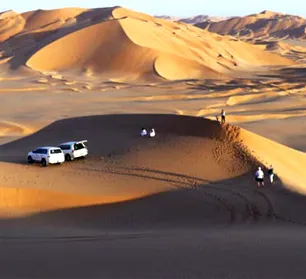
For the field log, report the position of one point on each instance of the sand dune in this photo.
(24, 201)
(192, 183)
(118, 152)
(122, 163)
(9, 129)
(188, 195)
(148, 47)
(10, 24)
(269, 152)
(263, 25)
(194, 19)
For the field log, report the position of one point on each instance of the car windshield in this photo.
(55, 151)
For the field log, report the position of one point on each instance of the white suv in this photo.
(46, 155)
(74, 149)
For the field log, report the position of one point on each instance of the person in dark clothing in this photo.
(271, 174)
(223, 116)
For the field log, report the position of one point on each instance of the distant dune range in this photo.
(263, 25)
(130, 45)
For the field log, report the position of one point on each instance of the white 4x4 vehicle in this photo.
(74, 149)
(46, 155)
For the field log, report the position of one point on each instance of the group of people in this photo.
(145, 133)
(259, 176)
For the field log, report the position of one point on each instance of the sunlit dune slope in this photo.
(187, 152)
(263, 25)
(13, 129)
(122, 166)
(288, 162)
(117, 41)
(24, 201)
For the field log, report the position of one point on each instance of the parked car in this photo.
(46, 155)
(74, 149)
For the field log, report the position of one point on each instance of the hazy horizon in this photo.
(195, 7)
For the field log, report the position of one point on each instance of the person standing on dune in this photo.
(143, 132)
(223, 116)
(152, 133)
(259, 176)
(271, 174)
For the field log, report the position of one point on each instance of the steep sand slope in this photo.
(11, 24)
(96, 53)
(122, 166)
(39, 21)
(52, 18)
(23, 34)
(194, 172)
(173, 50)
(288, 162)
(140, 46)
(265, 24)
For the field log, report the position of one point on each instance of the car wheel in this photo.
(30, 160)
(44, 162)
(68, 157)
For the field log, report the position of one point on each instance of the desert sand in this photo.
(182, 205)
(266, 24)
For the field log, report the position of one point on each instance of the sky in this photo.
(184, 8)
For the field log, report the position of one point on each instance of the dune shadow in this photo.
(184, 206)
(235, 201)
(110, 134)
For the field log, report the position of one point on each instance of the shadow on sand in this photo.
(109, 134)
(193, 203)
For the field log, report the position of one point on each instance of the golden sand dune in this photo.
(124, 166)
(11, 24)
(293, 49)
(24, 201)
(9, 129)
(288, 161)
(185, 195)
(193, 183)
(141, 46)
(53, 18)
(262, 25)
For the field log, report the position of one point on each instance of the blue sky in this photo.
(173, 8)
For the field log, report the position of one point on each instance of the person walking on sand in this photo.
(223, 116)
(259, 176)
(271, 174)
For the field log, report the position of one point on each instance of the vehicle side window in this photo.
(44, 151)
(55, 151)
(78, 146)
(65, 147)
(38, 151)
